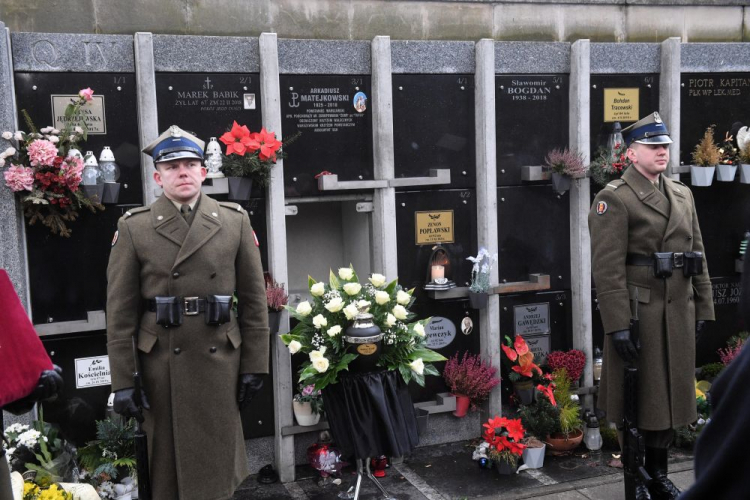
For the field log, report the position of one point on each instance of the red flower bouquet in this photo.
(41, 172)
(251, 154)
(573, 361)
(520, 359)
(503, 436)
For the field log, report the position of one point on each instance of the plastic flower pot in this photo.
(745, 173)
(462, 405)
(423, 417)
(240, 188)
(726, 173)
(94, 192)
(478, 300)
(504, 468)
(304, 414)
(701, 176)
(524, 390)
(560, 182)
(533, 458)
(274, 320)
(558, 444)
(111, 192)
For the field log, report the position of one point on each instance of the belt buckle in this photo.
(678, 258)
(191, 306)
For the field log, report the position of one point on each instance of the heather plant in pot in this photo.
(565, 164)
(276, 299)
(470, 379)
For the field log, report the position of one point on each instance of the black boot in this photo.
(656, 464)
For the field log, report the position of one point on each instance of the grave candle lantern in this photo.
(439, 270)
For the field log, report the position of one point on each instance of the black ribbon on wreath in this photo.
(371, 414)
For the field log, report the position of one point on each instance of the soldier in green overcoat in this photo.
(632, 218)
(178, 262)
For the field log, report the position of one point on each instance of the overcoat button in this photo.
(177, 350)
(669, 300)
(690, 237)
(160, 217)
(212, 350)
(176, 275)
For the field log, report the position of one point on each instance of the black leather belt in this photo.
(190, 305)
(634, 259)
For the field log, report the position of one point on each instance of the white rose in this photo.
(352, 288)
(419, 329)
(377, 280)
(351, 311)
(335, 305)
(361, 304)
(417, 366)
(18, 136)
(390, 320)
(294, 346)
(403, 298)
(319, 321)
(333, 331)
(317, 354)
(399, 312)
(346, 273)
(45, 130)
(382, 297)
(318, 289)
(320, 364)
(304, 308)
(7, 136)
(55, 131)
(54, 139)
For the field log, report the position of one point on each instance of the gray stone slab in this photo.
(206, 54)
(445, 428)
(715, 57)
(532, 57)
(73, 52)
(566, 495)
(609, 491)
(259, 452)
(683, 480)
(625, 58)
(324, 57)
(426, 57)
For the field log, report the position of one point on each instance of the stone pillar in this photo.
(281, 360)
(669, 97)
(148, 122)
(384, 249)
(486, 158)
(580, 201)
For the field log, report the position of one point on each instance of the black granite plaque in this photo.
(68, 275)
(647, 87)
(533, 234)
(560, 317)
(413, 259)
(531, 115)
(433, 127)
(334, 115)
(208, 103)
(720, 99)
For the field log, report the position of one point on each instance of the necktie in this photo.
(185, 211)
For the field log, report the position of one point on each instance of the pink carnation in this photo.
(42, 152)
(86, 93)
(19, 178)
(71, 172)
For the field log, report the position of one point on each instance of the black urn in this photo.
(366, 339)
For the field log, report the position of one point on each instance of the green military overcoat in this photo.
(631, 215)
(191, 372)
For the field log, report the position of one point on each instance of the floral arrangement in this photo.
(569, 419)
(730, 155)
(733, 349)
(308, 394)
(504, 437)
(470, 376)
(323, 322)
(573, 361)
(111, 455)
(706, 153)
(519, 359)
(45, 176)
(609, 165)
(276, 296)
(565, 162)
(251, 154)
(32, 491)
(480, 271)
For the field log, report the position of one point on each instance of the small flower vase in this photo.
(524, 390)
(560, 183)
(726, 173)
(240, 188)
(478, 300)
(462, 405)
(274, 320)
(504, 468)
(533, 458)
(701, 176)
(304, 414)
(745, 173)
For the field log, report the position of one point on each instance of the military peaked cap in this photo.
(175, 144)
(648, 130)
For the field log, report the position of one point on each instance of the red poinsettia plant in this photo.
(520, 359)
(504, 435)
(251, 154)
(573, 361)
(43, 173)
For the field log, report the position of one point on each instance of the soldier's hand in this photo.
(624, 346)
(125, 404)
(249, 384)
(699, 325)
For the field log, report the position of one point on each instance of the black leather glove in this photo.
(125, 404)
(624, 346)
(699, 325)
(249, 384)
(48, 387)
